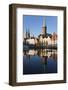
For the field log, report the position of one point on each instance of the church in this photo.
(43, 39)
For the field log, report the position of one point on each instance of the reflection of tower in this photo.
(44, 28)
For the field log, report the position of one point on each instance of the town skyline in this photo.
(34, 24)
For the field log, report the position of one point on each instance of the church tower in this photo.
(27, 33)
(44, 28)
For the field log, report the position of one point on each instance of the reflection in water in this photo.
(39, 61)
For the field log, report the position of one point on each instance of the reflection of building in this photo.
(42, 53)
(44, 38)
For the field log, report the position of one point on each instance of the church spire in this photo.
(44, 28)
(44, 21)
(26, 33)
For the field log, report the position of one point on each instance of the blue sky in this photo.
(34, 24)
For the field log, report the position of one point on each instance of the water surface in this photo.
(39, 61)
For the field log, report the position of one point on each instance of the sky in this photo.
(34, 24)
